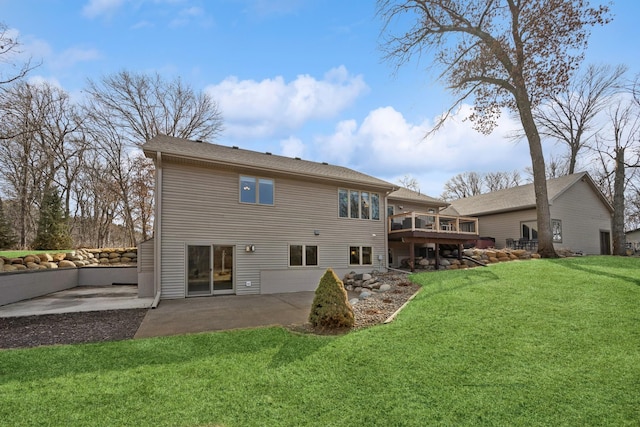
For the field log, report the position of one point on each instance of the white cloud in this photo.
(188, 16)
(385, 145)
(292, 147)
(254, 109)
(96, 8)
(74, 55)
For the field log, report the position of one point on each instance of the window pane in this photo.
(366, 255)
(390, 210)
(375, 206)
(311, 254)
(265, 192)
(247, 189)
(343, 203)
(556, 229)
(365, 205)
(355, 204)
(354, 255)
(295, 255)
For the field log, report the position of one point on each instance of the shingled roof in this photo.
(518, 198)
(235, 157)
(406, 195)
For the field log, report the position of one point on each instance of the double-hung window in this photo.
(303, 255)
(256, 190)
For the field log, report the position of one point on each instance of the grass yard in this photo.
(15, 254)
(539, 343)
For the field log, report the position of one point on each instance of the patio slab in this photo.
(81, 298)
(203, 314)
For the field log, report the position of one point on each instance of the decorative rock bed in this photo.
(449, 259)
(73, 259)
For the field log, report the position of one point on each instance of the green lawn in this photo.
(542, 343)
(15, 254)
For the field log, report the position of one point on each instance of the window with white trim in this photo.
(303, 255)
(256, 190)
(358, 204)
(360, 255)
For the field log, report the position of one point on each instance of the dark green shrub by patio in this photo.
(331, 308)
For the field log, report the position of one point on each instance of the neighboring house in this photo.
(580, 214)
(233, 221)
(633, 239)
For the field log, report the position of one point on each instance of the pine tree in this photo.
(53, 231)
(7, 238)
(331, 308)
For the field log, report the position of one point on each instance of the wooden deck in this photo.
(413, 228)
(418, 227)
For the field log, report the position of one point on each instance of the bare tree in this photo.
(142, 181)
(409, 182)
(618, 151)
(568, 116)
(506, 54)
(463, 185)
(495, 181)
(123, 111)
(42, 146)
(143, 106)
(9, 51)
(469, 184)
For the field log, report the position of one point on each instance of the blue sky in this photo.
(294, 77)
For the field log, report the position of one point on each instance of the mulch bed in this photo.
(70, 328)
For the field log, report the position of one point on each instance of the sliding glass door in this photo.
(209, 270)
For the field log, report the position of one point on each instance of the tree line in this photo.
(85, 149)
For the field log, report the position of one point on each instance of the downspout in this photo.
(386, 229)
(157, 241)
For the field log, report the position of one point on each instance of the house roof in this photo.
(521, 197)
(406, 195)
(235, 157)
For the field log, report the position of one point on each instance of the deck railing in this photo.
(418, 221)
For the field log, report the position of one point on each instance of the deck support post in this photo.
(412, 257)
(437, 253)
(460, 249)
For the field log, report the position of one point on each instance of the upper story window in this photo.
(358, 204)
(256, 190)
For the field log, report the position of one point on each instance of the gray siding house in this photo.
(233, 221)
(580, 214)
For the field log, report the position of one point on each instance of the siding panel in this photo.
(201, 206)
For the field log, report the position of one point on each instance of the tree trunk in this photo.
(617, 225)
(545, 236)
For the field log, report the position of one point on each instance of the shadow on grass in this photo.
(55, 361)
(589, 264)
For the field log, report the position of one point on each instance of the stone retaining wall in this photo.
(73, 259)
(450, 261)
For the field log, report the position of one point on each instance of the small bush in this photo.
(331, 308)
